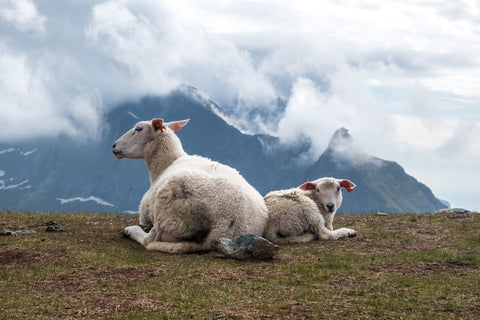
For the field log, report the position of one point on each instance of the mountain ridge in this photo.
(66, 176)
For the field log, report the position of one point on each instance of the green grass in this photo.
(398, 267)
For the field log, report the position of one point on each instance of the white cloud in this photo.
(23, 15)
(161, 52)
(402, 76)
(35, 104)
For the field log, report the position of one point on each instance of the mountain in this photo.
(381, 185)
(64, 175)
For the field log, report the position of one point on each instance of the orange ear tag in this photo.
(310, 186)
(176, 127)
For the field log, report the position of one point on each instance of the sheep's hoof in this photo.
(245, 247)
(352, 234)
(124, 233)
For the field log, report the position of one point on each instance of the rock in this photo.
(245, 247)
(16, 233)
(54, 227)
(454, 210)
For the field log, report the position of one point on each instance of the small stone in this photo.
(16, 233)
(245, 247)
(54, 227)
(454, 210)
(7, 233)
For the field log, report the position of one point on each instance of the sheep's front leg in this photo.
(329, 221)
(136, 233)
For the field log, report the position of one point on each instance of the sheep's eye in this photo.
(338, 189)
(138, 129)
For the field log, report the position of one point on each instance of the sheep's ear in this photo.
(308, 186)
(349, 185)
(158, 124)
(177, 125)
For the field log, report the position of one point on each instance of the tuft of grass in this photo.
(399, 266)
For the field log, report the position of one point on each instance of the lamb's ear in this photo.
(349, 185)
(177, 125)
(308, 186)
(158, 124)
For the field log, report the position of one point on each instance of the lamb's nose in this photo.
(330, 207)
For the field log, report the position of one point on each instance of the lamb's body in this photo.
(302, 214)
(192, 200)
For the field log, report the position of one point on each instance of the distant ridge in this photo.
(37, 175)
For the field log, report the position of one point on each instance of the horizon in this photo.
(403, 78)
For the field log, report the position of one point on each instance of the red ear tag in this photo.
(176, 127)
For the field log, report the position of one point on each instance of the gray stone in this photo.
(54, 227)
(16, 233)
(454, 210)
(245, 247)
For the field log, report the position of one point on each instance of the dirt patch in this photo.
(90, 296)
(418, 268)
(19, 256)
(83, 279)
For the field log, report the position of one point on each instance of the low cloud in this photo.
(23, 15)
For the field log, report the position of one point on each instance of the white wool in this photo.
(192, 200)
(299, 216)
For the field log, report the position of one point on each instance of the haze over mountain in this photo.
(64, 175)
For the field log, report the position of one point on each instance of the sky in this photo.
(402, 76)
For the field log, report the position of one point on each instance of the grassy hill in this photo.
(398, 267)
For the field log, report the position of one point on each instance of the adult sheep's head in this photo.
(132, 144)
(326, 192)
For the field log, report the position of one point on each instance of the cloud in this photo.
(403, 77)
(23, 15)
(160, 52)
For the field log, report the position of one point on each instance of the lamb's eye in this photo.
(138, 129)
(338, 189)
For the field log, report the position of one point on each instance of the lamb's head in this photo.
(326, 192)
(132, 144)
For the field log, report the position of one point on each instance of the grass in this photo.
(398, 267)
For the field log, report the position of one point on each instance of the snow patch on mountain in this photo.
(81, 199)
(130, 212)
(21, 185)
(29, 152)
(7, 150)
(133, 115)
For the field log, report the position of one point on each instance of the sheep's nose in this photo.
(330, 207)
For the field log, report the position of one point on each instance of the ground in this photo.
(399, 266)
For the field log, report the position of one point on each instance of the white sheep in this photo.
(303, 214)
(192, 200)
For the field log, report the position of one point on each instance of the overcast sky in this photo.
(402, 76)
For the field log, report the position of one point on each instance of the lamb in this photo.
(306, 213)
(192, 200)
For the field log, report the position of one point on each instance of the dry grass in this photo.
(399, 266)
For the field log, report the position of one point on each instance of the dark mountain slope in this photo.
(64, 175)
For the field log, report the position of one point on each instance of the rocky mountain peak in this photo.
(341, 138)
